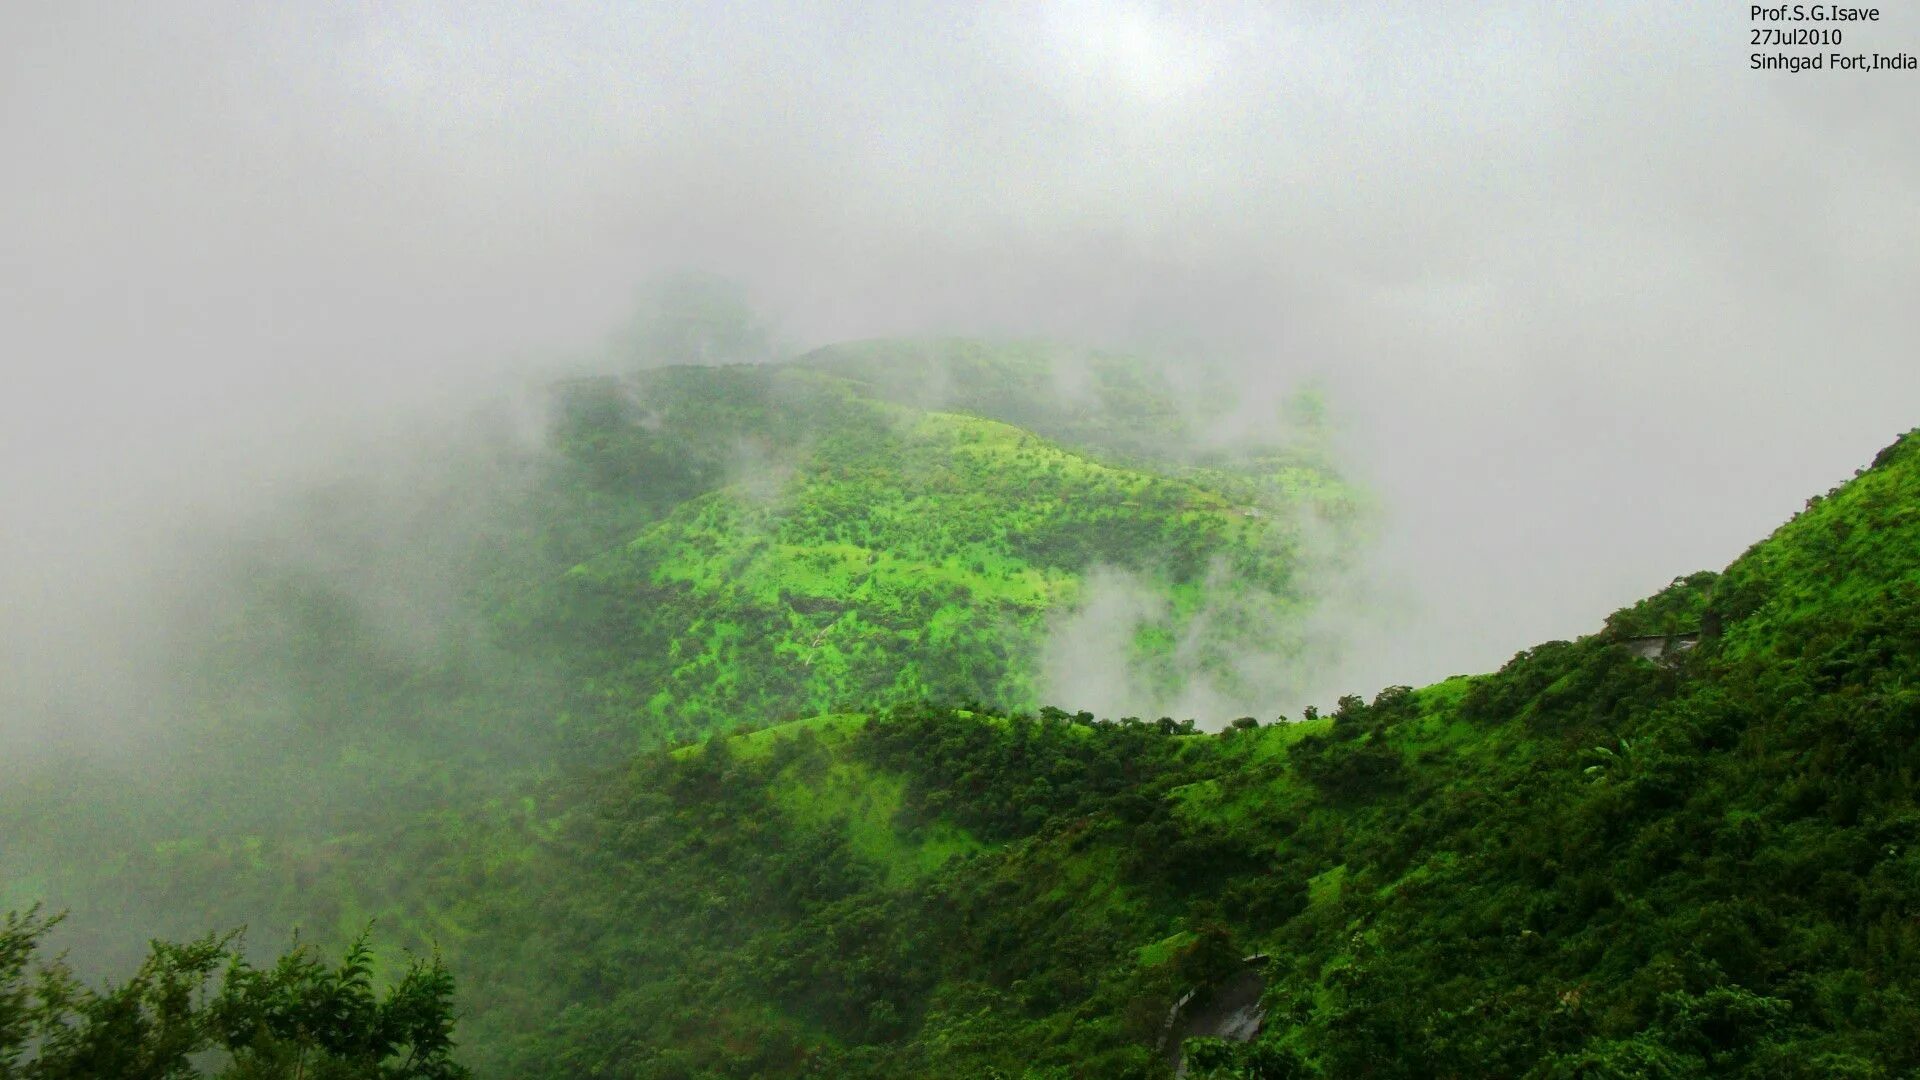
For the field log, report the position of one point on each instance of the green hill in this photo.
(730, 757)
(400, 680)
(1587, 864)
(791, 539)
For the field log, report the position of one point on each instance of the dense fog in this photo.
(1593, 305)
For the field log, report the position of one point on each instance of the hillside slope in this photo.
(395, 680)
(1588, 864)
(872, 853)
(831, 547)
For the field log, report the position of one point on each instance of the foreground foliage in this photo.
(200, 1008)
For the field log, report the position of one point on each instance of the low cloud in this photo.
(1591, 319)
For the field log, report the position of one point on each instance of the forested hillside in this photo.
(399, 678)
(740, 767)
(1586, 864)
(876, 540)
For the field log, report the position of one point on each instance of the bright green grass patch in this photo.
(1324, 888)
(831, 727)
(1159, 952)
(1270, 743)
(1197, 798)
(1444, 695)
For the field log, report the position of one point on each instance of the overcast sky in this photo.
(1598, 304)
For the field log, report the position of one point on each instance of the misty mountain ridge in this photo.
(664, 552)
(724, 748)
(721, 541)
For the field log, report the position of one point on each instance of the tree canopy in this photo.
(201, 1009)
